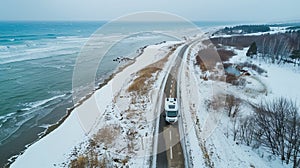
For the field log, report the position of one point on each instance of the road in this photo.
(170, 153)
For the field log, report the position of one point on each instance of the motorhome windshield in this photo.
(172, 113)
(172, 106)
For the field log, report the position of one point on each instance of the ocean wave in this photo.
(7, 115)
(35, 54)
(143, 36)
(7, 130)
(30, 37)
(44, 126)
(12, 122)
(5, 69)
(4, 48)
(40, 103)
(17, 40)
(31, 50)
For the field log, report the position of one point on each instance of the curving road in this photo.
(170, 153)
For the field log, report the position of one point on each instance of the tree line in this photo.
(274, 48)
(243, 29)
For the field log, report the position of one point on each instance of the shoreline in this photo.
(72, 131)
(100, 85)
(69, 110)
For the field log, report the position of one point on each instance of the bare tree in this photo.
(293, 136)
(232, 105)
(235, 128)
(246, 130)
(275, 125)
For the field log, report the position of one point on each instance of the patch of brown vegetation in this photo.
(207, 59)
(206, 42)
(230, 78)
(79, 162)
(107, 134)
(201, 63)
(131, 114)
(139, 84)
(89, 159)
(225, 55)
(206, 155)
(92, 157)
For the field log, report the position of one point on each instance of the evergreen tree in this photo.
(252, 49)
(295, 54)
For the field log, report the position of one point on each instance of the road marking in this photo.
(171, 152)
(170, 135)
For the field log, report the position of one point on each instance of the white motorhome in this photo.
(171, 110)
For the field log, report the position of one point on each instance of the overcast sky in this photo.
(196, 10)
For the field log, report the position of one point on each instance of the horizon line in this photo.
(193, 21)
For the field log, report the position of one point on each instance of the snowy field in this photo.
(210, 138)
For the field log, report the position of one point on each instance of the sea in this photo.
(37, 61)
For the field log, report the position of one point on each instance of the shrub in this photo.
(79, 162)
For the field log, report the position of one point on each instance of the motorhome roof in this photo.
(171, 104)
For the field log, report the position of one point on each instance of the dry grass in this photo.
(139, 84)
(207, 59)
(230, 78)
(107, 134)
(79, 162)
(142, 84)
(92, 157)
(206, 156)
(131, 114)
(88, 160)
(225, 55)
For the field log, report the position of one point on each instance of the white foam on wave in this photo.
(141, 37)
(22, 118)
(33, 105)
(45, 126)
(12, 130)
(30, 106)
(7, 116)
(40, 49)
(34, 55)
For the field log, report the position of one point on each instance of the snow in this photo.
(209, 133)
(187, 113)
(54, 148)
(97, 112)
(50, 149)
(280, 80)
